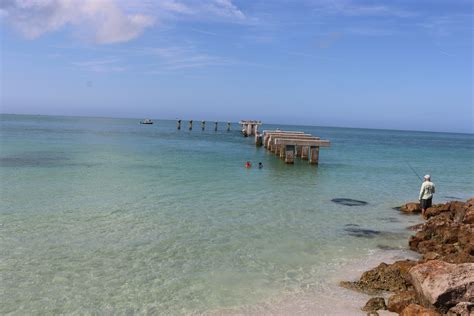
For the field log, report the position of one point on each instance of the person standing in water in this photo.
(426, 194)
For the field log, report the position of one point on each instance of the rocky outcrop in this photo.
(385, 277)
(448, 235)
(375, 304)
(442, 280)
(442, 284)
(400, 300)
(462, 309)
(418, 310)
(411, 208)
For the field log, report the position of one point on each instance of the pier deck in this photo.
(291, 144)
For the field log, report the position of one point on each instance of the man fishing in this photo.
(426, 193)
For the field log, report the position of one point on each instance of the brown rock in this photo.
(470, 202)
(469, 216)
(436, 210)
(416, 227)
(417, 310)
(462, 309)
(385, 277)
(400, 300)
(411, 208)
(374, 304)
(442, 284)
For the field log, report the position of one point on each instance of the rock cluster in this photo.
(442, 281)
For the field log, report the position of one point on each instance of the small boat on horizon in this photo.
(146, 121)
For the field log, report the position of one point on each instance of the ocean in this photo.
(107, 216)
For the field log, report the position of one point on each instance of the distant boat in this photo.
(146, 121)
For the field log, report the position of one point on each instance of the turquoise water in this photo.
(109, 216)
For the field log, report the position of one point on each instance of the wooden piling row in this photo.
(203, 125)
(290, 144)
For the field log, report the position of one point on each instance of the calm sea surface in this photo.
(109, 216)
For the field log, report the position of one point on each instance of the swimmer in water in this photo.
(248, 164)
(260, 165)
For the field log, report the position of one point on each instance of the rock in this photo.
(416, 227)
(386, 313)
(462, 309)
(385, 277)
(400, 300)
(448, 234)
(442, 284)
(431, 256)
(417, 310)
(436, 210)
(411, 208)
(470, 201)
(469, 216)
(374, 304)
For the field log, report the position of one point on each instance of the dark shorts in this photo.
(425, 204)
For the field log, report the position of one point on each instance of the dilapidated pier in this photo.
(291, 144)
(203, 125)
(250, 127)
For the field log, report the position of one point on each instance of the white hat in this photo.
(427, 177)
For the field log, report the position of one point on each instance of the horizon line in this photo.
(269, 123)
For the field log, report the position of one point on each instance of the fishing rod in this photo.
(414, 171)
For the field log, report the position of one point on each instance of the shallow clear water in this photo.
(106, 215)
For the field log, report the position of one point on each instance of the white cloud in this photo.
(102, 65)
(358, 8)
(105, 19)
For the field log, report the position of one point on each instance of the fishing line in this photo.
(414, 171)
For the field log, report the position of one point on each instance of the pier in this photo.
(250, 127)
(291, 144)
(203, 125)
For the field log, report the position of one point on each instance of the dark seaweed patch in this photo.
(361, 232)
(385, 247)
(452, 197)
(30, 161)
(349, 202)
(390, 219)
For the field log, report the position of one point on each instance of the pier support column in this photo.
(228, 126)
(298, 151)
(249, 129)
(215, 126)
(178, 124)
(314, 155)
(304, 152)
(190, 124)
(203, 125)
(282, 151)
(258, 140)
(290, 154)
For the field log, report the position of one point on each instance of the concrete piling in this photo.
(314, 155)
(304, 152)
(290, 154)
(190, 125)
(215, 126)
(228, 126)
(178, 124)
(203, 125)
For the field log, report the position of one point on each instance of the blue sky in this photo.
(375, 64)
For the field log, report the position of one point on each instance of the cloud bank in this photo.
(103, 19)
(108, 21)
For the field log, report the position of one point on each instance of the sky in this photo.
(398, 64)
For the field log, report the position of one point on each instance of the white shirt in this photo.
(427, 190)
